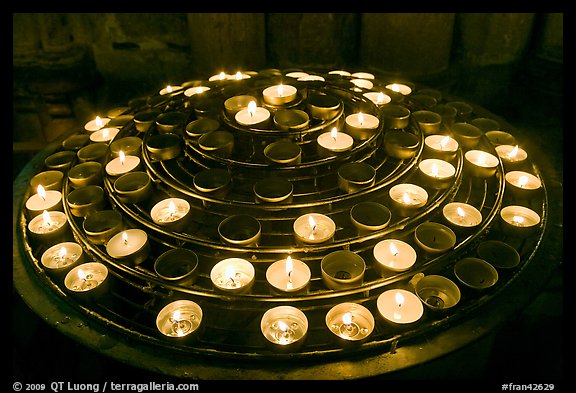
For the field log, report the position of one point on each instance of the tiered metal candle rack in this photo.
(231, 322)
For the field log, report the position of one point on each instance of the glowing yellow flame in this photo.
(399, 299)
(230, 272)
(282, 326)
(312, 222)
(289, 266)
(444, 142)
(334, 133)
(252, 108)
(122, 157)
(347, 318)
(46, 218)
(513, 152)
(62, 253)
(393, 249)
(125, 237)
(460, 212)
(280, 90)
(395, 87)
(380, 98)
(99, 122)
(522, 180)
(518, 220)
(41, 192)
(176, 315)
(169, 89)
(81, 274)
(222, 75)
(434, 170)
(406, 198)
(105, 133)
(360, 118)
(171, 208)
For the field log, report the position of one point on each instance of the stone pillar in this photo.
(325, 40)
(227, 42)
(413, 45)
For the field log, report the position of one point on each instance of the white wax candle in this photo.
(519, 216)
(43, 200)
(409, 195)
(309, 78)
(394, 255)
(61, 255)
(437, 169)
(252, 115)
(339, 72)
(288, 275)
(47, 223)
(170, 89)
(362, 83)
(363, 75)
(335, 141)
(511, 154)
(297, 74)
(441, 143)
(378, 98)
(314, 228)
(284, 325)
(238, 76)
(481, 158)
(350, 321)
(86, 277)
(232, 275)
(222, 76)
(169, 210)
(122, 164)
(195, 90)
(179, 318)
(400, 306)
(362, 120)
(399, 88)
(126, 243)
(523, 180)
(104, 134)
(462, 214)
(96, 124)
(279, 94)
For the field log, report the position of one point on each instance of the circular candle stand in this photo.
(127, 312)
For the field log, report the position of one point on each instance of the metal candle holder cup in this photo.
(283, 153)
(523, 185)
(235, 104)
(351, 323)
(85, 174)
(400, 144)
(58, 259)
(100, 226)
(395, 116)
(467, 135)
(163, 147)
(76, 142)
(438, 293)
(170, 122)
(199, 127)
(342, 269)
(61, 161)
(434, 238)
(273, 190)
(213, 181)
(50, 180)
(180, 320)
(475, 273)
(400, 307)
(240, 230)
(144, 119)
(356, 176)
(285, 328)
(86, 200)
(498, 138)
(93, 152)
(178, 266)
(480, 163)
(499, 254)
(219, 143)
(323, 106)
(172, 220)
(436, 174)
(130, 246)
(87, 281)
(393, 255)
(233, 275)
(519, 221)
(369, 216)
(133, 187)
(428, 121)
(442, 147)
(407, 198)
(129, 145)
(462, 217)
(291, 119)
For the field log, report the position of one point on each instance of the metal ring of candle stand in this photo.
(129, 311)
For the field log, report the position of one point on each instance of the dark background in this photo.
(69, 66)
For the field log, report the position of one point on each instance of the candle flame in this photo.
(481, 159)
(252, 108)
(238, 75)
(434, 170)
(312, 223)
(169, 89)
(222, 75)
(81, 274)
(41, 192)
(399, 299)
(282, 326)
(395, 87)
(122, 157)
(230, 272)
(176, 315)
(171, 208)
(380, 98)
(522, 180)
(513, 152)
(393, 249)
(105, 133)
(280, 90)
(360, 118)
(46, 217)
(406, 198)
(125, 237)
(62, 253)
(289, 267)
(98, 121)
(460, 211)
(347, 318)
(334, 133)
(518, 219)
(444, 142)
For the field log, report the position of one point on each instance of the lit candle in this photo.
(342, 269)
(233, 275)
(511, 156)
(363, 75)
(222, 76)
(480, 163)
(407, 198)
(443, 147)
(48, 226)
(280, 94)
(43, 200)
(235, 104)
(523, 184)
(393, 255)
(104, 134)
(333, 142)
(399, 88)
(171, 90)
(122, 164)
(297, 74)
(171, 213)
(362, 126)
(362, 83)
(519, 220)
(179, 319)
(96, 124)
(288, 276)
(350, 322)
(400, 306)
(462, 216)
(195, 90)
(378, 98)
(285, 327)
(87, 279)
(130, 245)
(436, 173)
(253, 115)
(314, 228)
(62, 256)
(339, 72)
